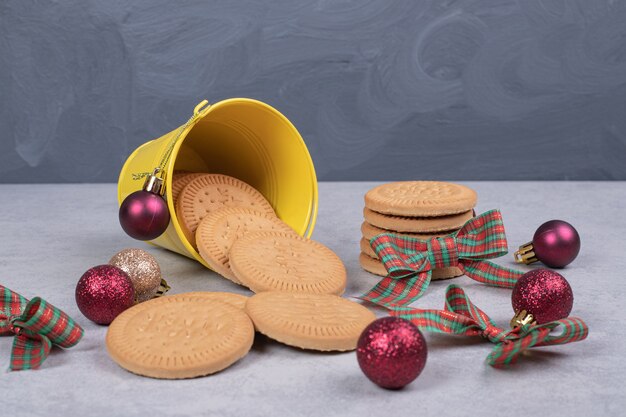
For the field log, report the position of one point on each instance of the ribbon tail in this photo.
(507, 352)
(29, 352)
(574, 330)
(459, 303)
(459, 317)
(490, 273)
(41, 317)
(395, 294)
(487, 222)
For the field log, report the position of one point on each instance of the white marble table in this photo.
(50, 234)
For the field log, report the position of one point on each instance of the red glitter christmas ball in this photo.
(391, 352)
(543, 293)
(103, 292)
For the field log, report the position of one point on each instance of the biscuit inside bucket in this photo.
(253, 142)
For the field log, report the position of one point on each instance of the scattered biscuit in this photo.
(309, 321)
(175, 337)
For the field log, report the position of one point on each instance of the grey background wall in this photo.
(379, 89)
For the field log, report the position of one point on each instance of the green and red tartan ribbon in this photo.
(410, 261)
(37, 325)
(461, 317)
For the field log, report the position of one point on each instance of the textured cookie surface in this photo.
(267, 261)
(373, 265)
(420, 198)
(309, 321)
(180, 181)
(417, 224)
(218, 231)
(232, 299)
(179, 336)
(211, 192)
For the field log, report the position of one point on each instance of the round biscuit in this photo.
(309, 321)
(369, 231)
(180, 181)
(175, 337)
(417, 224)
(283, 261)
(219, 229)
(420, 198)
(211, 192)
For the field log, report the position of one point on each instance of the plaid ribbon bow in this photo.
(410, 261)
(461, 317)
(37, 325)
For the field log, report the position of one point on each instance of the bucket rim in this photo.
(311, 217)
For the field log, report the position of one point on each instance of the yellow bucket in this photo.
(243, 138)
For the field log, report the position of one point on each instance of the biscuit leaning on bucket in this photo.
(239, 137)
(219, 230)
(180, 181)
(282, 261)
(211, 192)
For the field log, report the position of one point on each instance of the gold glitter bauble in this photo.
(143, 270)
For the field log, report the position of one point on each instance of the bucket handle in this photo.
(198, 111)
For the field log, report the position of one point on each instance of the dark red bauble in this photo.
(556, 243)
(103, 292)
(144, 215)
(543, 293)
(391, 352)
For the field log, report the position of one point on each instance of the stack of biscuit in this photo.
(419, 209)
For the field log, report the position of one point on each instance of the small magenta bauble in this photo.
(541, 296)
(144, 214)
(103, 292)
(555, 243)
(391, 352)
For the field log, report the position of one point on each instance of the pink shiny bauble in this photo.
(556, 243)
(144, 215)
(103, 292)
(543, 293)
(391, 352)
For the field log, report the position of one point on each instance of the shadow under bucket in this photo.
(243, 138)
